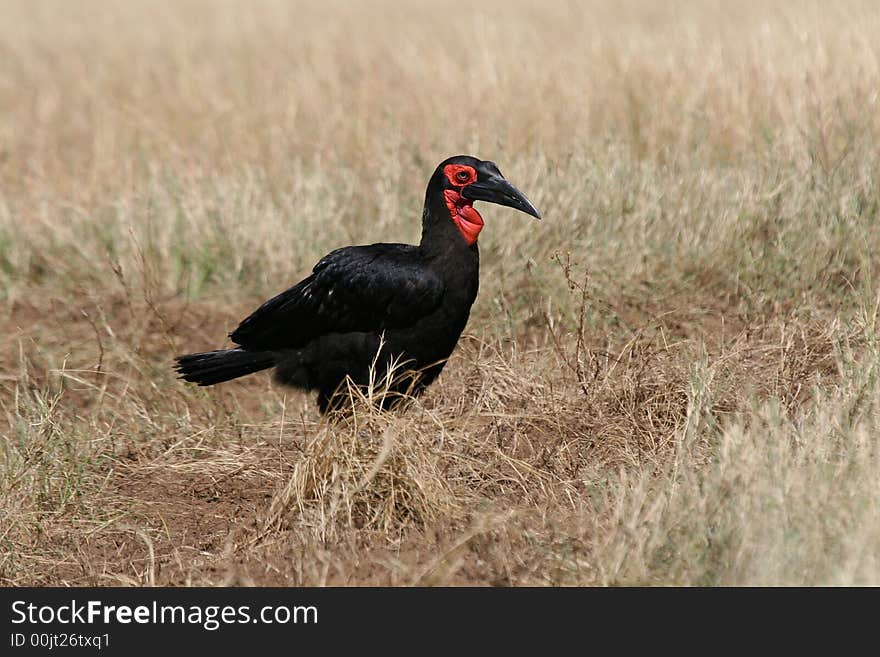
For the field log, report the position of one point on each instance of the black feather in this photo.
(356, 288)
(210, 367)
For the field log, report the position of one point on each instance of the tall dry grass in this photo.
(672, 379)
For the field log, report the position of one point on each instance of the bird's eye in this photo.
(459, 175)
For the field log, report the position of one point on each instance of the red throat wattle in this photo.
(466, 219)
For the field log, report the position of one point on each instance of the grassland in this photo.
(672, 379)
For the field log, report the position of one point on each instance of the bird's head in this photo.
(464, 179)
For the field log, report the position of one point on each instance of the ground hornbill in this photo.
(376, 308)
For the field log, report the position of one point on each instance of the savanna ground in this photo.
(672, 379)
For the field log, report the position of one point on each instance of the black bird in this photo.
(379, 306)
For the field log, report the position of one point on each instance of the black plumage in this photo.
(379, 306)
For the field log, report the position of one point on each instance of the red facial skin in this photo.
(467, 220)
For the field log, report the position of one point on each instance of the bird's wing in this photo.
(356, 288)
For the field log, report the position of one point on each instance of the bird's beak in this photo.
(498, 190)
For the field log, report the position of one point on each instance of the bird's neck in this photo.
(449, 224)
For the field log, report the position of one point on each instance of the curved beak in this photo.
(498, 190)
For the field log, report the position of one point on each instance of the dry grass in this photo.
(673, 379)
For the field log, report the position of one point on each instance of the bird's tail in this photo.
(210, 367)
